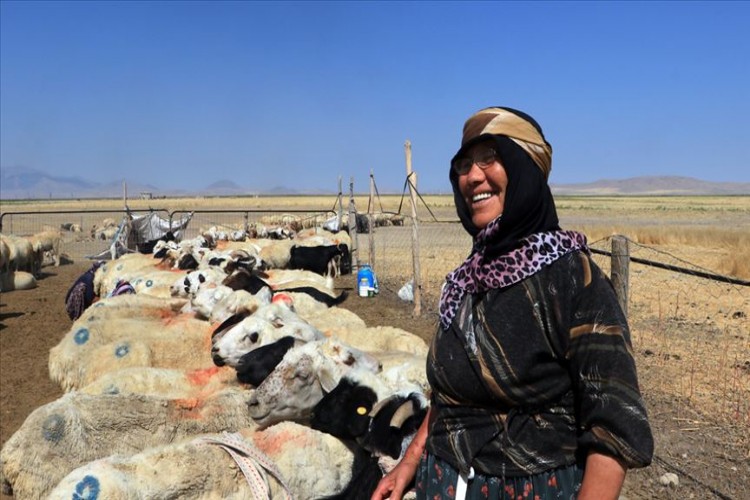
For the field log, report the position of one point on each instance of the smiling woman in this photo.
(533, 380)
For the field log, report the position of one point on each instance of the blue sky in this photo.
(182, 94)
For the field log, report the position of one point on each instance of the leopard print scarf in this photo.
(478, 274)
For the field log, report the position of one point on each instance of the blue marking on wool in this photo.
(122, 350)
(81, 336)
(149, 283)
(53, 428)
(99, 304)
(119, 267)
(87, 489)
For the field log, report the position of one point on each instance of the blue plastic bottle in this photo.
(366, 282)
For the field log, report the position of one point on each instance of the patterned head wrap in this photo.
(518, 126)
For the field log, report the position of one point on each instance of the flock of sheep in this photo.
(21, 258)
(226, 370)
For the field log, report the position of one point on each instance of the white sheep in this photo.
(238, 301)
(265, 326)
(16, 280)
(188, 285)
(78, 428)
(170, 383)
(297, 383)
(47, 242)
(141, 270)
(95, 347)
(21, 255)
(131, 306)
(312, 465)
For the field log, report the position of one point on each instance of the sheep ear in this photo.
(228, 323)
(328, 381)
(403, 412)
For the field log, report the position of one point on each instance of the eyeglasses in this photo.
(483, 159)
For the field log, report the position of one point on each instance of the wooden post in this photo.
(371, 221)
(353, 226)
(340, 213)
(412, 178)
(619, 270)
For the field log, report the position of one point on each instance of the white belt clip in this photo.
(462, 484)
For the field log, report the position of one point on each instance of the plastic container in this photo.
(367, 282)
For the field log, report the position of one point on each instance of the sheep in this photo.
(130, 305)
(101, 345)
(138, 269)
(21, 256)
(382, 426)
(277, 256)
(47, 242)
(240, 334)
(216, 303)
(17, 280)
(297, 383)
(253, 283)
(350, 329)
(78, 428)
(4, 255)
(255, 366)
(189, 284)
(169, 383)
(316, 259)
(71, 226)
(311, 464)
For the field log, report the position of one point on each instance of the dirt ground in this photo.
(32, 322)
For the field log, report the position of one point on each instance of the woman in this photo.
(534, 387)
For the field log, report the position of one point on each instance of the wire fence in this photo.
(690, 331)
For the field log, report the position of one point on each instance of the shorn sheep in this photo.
(144, 387)
(78, 428)
(202, 468)
(97, 346)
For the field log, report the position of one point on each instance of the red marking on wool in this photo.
(203, 376)
(282, 297)
(189, 408)
(274, 443)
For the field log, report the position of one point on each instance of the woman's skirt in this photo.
(436, 480)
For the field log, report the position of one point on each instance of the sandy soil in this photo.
(32, 322)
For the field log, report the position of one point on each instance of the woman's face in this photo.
(483, 187)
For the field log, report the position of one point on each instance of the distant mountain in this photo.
(224, 188)
(28, 183)
(652, 185)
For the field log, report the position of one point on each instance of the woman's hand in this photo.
(395, 482)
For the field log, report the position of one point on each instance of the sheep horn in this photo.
(403, 412)
(378, 406)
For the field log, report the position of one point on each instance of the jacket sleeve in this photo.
(610, 412)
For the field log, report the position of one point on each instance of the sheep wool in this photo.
(194, 468)
(79, 428)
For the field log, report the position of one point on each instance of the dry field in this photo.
(691, 335)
